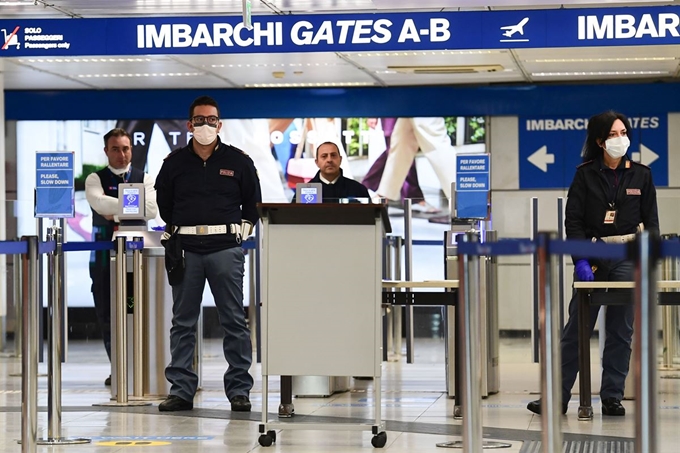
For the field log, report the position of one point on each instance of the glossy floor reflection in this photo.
(415, 408)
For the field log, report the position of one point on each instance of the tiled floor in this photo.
(416, 411)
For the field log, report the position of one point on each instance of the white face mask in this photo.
(205, 134)
(617, 147)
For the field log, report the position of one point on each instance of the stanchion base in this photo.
(128, 404)
(487, 444)
(457, 412)
(149, 398)
(585, 413)
(63, 441)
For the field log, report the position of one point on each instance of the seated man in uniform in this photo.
(333, 187)
(333, 184)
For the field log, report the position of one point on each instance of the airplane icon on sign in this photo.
(512, 29)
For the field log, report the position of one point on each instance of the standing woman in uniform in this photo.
(610, 199)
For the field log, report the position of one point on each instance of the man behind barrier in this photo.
(207, 195)
(101, 191)
(333, 184)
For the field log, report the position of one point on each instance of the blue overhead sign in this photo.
(550, 149)
(54, 188)
(472, 186)
(341, 33)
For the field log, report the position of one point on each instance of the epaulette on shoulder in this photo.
(584, 164)
(173, 153)
(240, 151)
(640, 164)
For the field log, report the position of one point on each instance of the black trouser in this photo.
(286, 389)
(100, 272)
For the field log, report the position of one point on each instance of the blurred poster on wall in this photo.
(395, 158)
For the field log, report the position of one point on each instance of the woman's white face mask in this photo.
(616, 147)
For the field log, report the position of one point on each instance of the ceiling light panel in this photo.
(598, 75)
(247, 69)
(379, 61)
(400, 79)
(106, 65)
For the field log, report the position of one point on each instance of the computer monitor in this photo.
(308, 193)
(131, 201)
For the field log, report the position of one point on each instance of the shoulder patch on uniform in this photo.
(640, 164)
(584, 163)
(238, 149)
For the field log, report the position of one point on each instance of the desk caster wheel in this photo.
(379, 440)
(271, 433)
(265, 440)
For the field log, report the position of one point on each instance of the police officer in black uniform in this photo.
(101, 191)
(207, 195)
(610, 199)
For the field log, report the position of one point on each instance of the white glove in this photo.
(246, 229)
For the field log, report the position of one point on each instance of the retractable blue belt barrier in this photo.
(670, 248)
(584, 248)
(13, 247)
(501, 247)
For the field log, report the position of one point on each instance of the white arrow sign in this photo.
(646, 156)
(541, 158)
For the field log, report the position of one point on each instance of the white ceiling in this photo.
(320, 69)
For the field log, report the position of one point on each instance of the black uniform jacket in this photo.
(590, 196)
(222, 190)
(343, 188)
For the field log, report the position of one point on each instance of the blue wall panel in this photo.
(521, 100)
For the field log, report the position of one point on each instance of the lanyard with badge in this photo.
(610, 214)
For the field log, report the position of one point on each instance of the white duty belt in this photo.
(242, 230)
(203, 230)
(621, 239)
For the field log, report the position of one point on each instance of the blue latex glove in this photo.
(583, 271)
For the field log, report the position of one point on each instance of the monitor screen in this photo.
(131, 201)
(308, 193)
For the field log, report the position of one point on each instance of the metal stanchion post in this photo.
(398, 311)
(549, 328)
(560, 263)
(468, 311)
(534, 281)
(138, 323)
(16, 270)
(120, 314)
(468, 276)
(121, 323)
(55, 308)
(644, 342)
(669, 313)
(29, 355)
(408, 267)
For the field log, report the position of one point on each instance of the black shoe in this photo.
(612, 406)
(107, 381)
(286, 410)
(240, 403)
(535, 407)
(174, 403)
